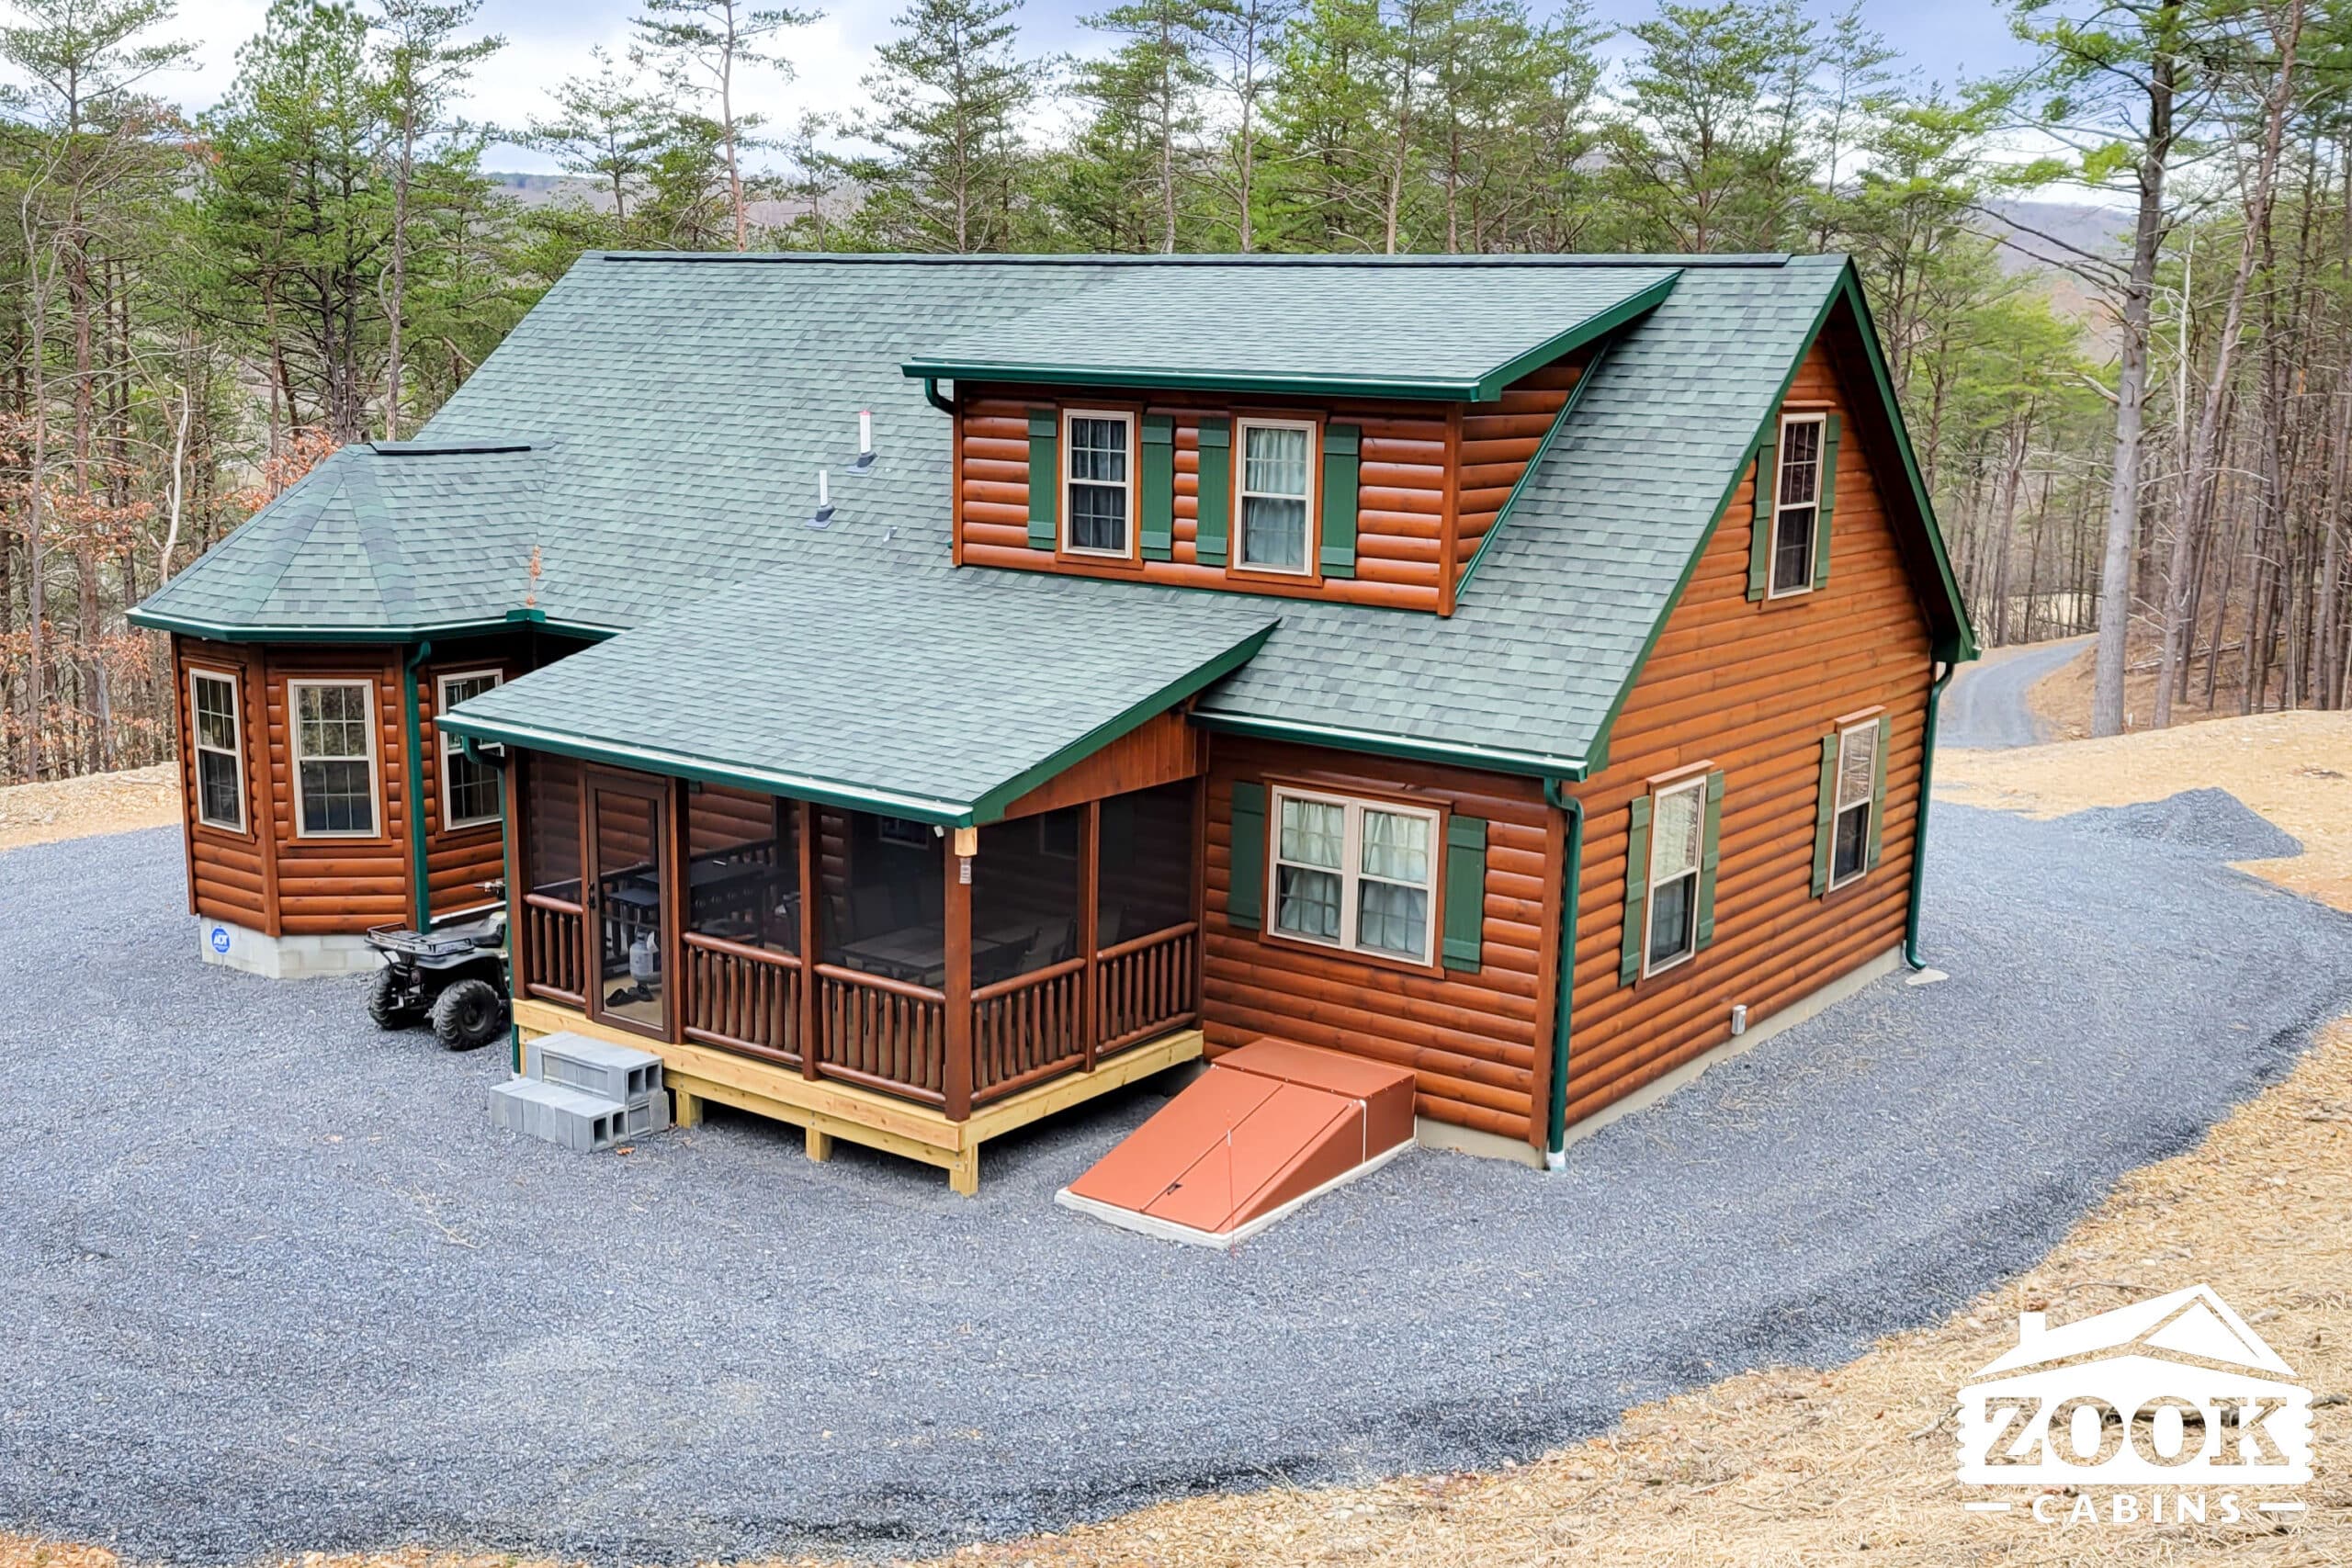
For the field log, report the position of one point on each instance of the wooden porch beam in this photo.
(958, 1079)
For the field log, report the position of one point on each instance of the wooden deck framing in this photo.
(824, 1109)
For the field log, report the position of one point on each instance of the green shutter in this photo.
(1637, 890)
(1760, 532)
(1709, 856)
(1878, 784)
(1245, 882)
(1825, 814)
(1159, 486)
(1828, 501)
(1214, 502)
(1343, 461)
(1045, 476)
(1466, 890)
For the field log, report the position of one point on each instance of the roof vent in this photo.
(865, 441)
(824, 514)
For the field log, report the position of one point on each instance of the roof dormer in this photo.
(1348, 434)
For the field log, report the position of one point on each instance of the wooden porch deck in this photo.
(825, 1108)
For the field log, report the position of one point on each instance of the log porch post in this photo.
(963, 843)
(807, 847)
(1090, 871)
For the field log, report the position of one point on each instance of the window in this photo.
(1850, 846)
(1678, 829)
(1799, 505)
(469, 788)
(1276, 496)
(1355, 874)
(220, 751)
(334, 759)
(1098, 486)
(904, 832)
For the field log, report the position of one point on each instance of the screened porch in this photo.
(950, 967)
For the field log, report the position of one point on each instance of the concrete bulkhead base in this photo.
(233, 946)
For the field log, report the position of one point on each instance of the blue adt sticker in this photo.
(220, 939)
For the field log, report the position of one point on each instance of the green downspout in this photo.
(1555, 1137)
(421, 891)
(931, 395)
(1919, 831)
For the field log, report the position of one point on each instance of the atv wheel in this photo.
(469, 1015)
(385, 1006)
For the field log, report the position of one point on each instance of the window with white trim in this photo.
(1677, 835)
(1798, 507)
(1356, 874)
(1849, 842)
(334, 758)
(219, 744)
(469, 788)
(1098, 482)
(1277, 494)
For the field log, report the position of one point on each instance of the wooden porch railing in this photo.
(554, 935)
(1143, 987)
(882, 1033)
(1028, 1028)
(746, 998)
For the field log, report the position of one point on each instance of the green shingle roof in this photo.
(678, 408)
(924, 693)
(1365, 331)
(374, 541)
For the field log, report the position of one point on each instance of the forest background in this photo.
(2113, 277)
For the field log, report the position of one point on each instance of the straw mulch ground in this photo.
(2063, 698)
(95, 803)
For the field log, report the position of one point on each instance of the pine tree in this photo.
(949, 98)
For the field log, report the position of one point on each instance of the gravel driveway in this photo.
(270, 1281)
(1985, 705)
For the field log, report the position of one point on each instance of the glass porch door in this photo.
(628, 904)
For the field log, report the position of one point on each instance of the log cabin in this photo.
(914, 694)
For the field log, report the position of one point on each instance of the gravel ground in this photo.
(1985, 707)
(271, 1281)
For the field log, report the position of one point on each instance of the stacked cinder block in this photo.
(583, 1093)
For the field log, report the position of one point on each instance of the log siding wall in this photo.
(1751, 689)
(270, 880)
(1478, 1044)
(1432, 477)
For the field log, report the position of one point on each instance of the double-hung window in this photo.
(469, 788)
(1098, 482)
(334, 758)
(220, 751)
(1277, 495)
(1356, 874)
(1798, 508)
(1678, 831)
(1849, 844)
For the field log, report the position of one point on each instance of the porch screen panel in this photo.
(744, 868)
(882, 897)
(1025, 895)
(551, 814)
(1146, 863)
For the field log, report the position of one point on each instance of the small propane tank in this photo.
(644, 959)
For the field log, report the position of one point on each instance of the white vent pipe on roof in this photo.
(865, 441)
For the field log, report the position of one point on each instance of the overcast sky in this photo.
(550, 40)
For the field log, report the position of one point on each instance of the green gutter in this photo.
(1555, 1137)
(1919, 830)
(931, 395)
(1490, 759)
(225, 631)
(1518, 486)
(420, 887)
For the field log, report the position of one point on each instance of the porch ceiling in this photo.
(932, 694)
